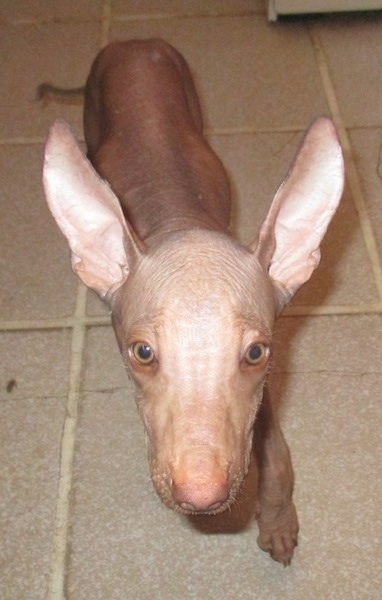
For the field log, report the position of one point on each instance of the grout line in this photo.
(33, 21)
(68, 442)
(191, 15)
(22, 141)
(339, 309)
(352, 174)
(251, 130)
(106, 20)
(59, 323)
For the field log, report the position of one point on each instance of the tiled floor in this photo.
(79, 518)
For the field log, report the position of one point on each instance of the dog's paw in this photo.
(278, 535)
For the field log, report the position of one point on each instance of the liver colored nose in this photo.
(200, 497)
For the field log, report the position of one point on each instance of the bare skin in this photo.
(193, 310)
(276, 513)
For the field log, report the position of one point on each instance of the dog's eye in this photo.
(143, 353)
(256, 353)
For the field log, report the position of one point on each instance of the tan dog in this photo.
(193, 310)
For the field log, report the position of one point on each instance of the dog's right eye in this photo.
(256, 354)
(143, 353)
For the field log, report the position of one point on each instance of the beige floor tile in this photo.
(34, 364)
(103, 363)
(36, 53)
(30, 435)
(332, 423)
(257, 164)
(331, 344)
(249, 74)
(35, 277)
(174, 7)
(367, 146)
(95, 306)
(353, 48)
(48, 10)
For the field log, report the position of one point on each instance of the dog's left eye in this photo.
(256, 353)
(143, 353)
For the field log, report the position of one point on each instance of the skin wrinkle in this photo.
(178, 261)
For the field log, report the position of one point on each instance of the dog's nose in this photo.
(200, 497)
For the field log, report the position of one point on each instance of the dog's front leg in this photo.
(276, 513)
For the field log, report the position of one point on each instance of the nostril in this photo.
(200, 497)
(217, 505)
(187, 506)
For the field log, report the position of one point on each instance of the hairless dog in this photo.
(147, 219)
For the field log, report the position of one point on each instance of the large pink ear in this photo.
(88, 214)
(289, 240)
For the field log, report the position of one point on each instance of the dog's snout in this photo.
(200, 496)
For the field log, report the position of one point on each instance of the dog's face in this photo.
(193, 322)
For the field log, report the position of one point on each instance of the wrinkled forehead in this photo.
(203, 277)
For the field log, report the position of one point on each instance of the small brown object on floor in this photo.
(11, 385)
